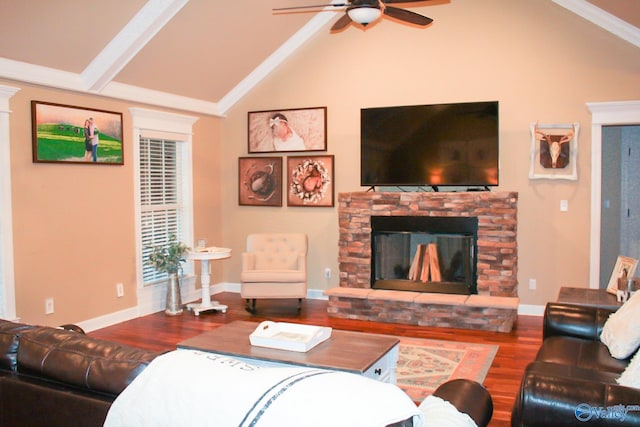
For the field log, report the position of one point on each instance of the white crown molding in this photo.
(311, 28)
(618, 113)
(603, 19)
(49, 77)
(37, 74)
(153, 16)
(160, 99)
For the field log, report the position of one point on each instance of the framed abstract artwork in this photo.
(260, 181)
(310, 181)
(297, 129)
(554, 151)
(69, 134)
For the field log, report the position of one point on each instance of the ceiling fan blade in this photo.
(407, 16)
(402, 1)
(341, 23)
(315, 6)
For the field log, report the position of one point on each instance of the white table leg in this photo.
(205, 283)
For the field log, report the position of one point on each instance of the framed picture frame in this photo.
(69, 134)
(310, 181)
(290, 130)
(554, 151)
(624, 267)
(260, 181)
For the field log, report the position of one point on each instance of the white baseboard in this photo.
(531, 310)
(109, 319)
(152, 301)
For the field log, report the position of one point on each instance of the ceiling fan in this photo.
(365, 12)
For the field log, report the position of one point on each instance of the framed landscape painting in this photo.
(310, 181)
(296, 129)
(68, 134)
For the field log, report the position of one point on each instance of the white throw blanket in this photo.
(190, 388)
(440, 413)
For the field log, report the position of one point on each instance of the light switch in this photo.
(564, 205)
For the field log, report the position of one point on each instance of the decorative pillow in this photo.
(620, 333)
(631, 376)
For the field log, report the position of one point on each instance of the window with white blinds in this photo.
(161, 198)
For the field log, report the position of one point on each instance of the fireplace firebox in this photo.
(424, 254)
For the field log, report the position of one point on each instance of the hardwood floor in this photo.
(160, 332)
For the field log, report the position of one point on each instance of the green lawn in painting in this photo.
(65, 143)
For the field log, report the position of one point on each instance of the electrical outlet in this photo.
(119, 290)
(532, 284)
(327, 273)
(48, 306)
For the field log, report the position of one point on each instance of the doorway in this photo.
(625, 114)
(620, 207)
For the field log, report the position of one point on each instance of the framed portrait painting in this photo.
(299, 129)
(554, 151)
(260, 181)
(69, 134)
(310, 181)
(625, 268)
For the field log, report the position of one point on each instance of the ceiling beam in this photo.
(603, 19)
(153, 16)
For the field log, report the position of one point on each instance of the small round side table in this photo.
(204, 256)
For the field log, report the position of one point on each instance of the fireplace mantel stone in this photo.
(495, 306)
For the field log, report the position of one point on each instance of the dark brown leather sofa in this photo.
(572, 381)
(58, 378)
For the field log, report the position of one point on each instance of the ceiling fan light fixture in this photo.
(364, 15)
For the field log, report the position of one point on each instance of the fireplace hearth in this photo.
(493, 308)
(424, 254)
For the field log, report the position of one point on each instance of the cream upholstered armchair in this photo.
(274, 266)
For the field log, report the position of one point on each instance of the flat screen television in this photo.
(430, 145)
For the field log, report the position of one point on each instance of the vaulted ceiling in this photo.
(196, 55)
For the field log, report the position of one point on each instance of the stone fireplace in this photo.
(424, 253)
(494, 307)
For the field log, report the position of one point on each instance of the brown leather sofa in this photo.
(60, 377)
(57, 378)
(572, 381)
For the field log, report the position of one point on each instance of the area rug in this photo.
(424, 364)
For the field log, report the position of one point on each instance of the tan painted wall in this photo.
(74, 227)
(541, 62)
(74, 233)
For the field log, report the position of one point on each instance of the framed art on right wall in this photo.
(625, 268)
(554, 151)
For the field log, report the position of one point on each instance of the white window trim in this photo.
(7, 284)
(151, 298)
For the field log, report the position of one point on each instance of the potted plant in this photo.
(168, 259)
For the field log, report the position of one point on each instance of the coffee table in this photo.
(370, 355)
